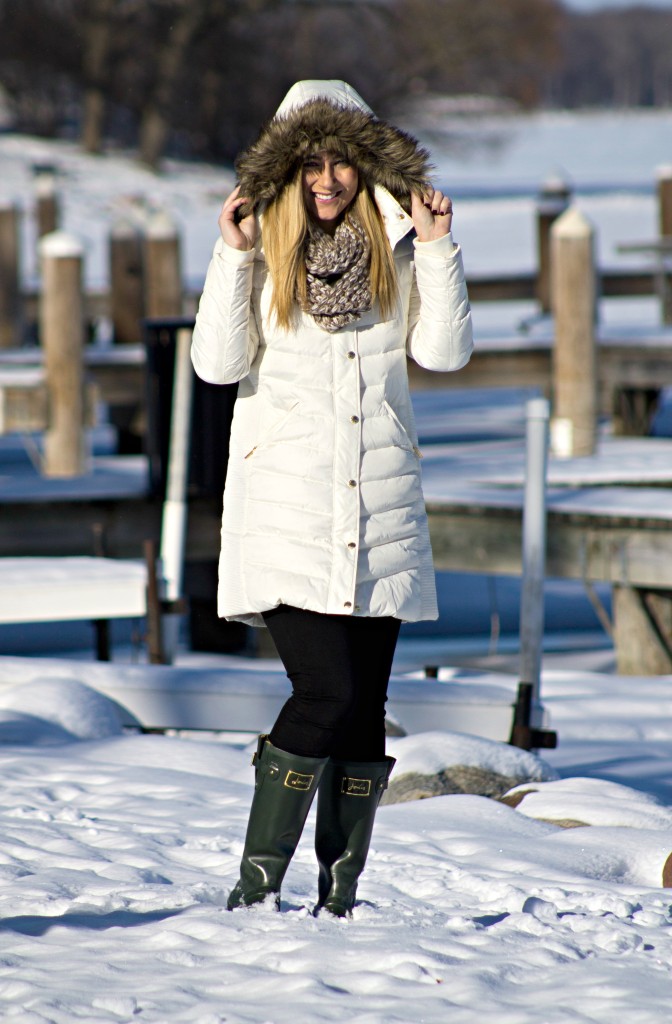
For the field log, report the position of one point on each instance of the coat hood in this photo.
(331, 115)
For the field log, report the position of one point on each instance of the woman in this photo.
(335, 261)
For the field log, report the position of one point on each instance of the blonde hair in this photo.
(285, 227)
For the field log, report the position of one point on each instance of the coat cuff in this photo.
(234, 257)
(440, 247)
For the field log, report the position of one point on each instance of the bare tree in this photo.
(96, 59)
(493, 47)
(191, 16)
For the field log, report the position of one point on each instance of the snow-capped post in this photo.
(665, 227)
(553, 200)
(46, 194)
(61, 322)
(127, 300)
(10, 284)
(163, 279)
(574, 296)
(174, 521)
(527, 729)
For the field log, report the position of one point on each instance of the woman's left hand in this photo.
(432, 215)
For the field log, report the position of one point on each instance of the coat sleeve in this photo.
(440, 333)
(225, 338)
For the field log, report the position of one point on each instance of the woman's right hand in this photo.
(238, 235)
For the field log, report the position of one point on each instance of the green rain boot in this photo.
(347, 802)
(284, 789)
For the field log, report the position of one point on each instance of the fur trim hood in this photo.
(331, 115)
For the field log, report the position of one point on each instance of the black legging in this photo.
(339, 667)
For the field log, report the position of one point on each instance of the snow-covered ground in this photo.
(117, 853)
(117, 849)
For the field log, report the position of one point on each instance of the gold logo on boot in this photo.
(356, 787)
(295, 780)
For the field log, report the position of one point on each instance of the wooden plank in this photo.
(646, 366)
(23, 407)
(70, 527)
(482, 288)
(65, 589)
(637, 553)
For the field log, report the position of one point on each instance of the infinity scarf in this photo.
(337, 267)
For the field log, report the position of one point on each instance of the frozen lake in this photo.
(494, 167)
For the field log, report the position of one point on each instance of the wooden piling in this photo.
(573, 289)
(163, 278)
(47, 204)
(127, 300)
(665, 228)
(10, 276)
(553, 201)
(61, 321)
(665, 201)
(642, 631)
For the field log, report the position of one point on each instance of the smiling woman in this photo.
(329, 185)
(335, 261)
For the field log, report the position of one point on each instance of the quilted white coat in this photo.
(323, 506)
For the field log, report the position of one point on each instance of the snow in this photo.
(118, 849)
(60, 245)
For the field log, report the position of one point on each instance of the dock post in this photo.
(61, 321)
(642, 621)
(10, 276)
(552, 202)
(527, 729)
(48, 207)
(574, 296)
(174, 518)
(665, 227)
(163, 278)
(126, 282)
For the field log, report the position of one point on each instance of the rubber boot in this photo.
(284, 789)
(347, 802)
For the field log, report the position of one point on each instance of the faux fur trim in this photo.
(383, 154)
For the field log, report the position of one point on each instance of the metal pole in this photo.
(174, 520)
(534, 551)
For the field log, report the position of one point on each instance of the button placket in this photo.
(347, 466)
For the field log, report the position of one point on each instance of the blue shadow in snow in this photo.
(31, 924)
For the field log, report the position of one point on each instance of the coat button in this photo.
(352, 544)
(352, 483)
(347, 604)
(354, 419)
(351, 355)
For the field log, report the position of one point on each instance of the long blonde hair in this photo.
(285, 227)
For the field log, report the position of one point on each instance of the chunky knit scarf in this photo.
(338, 284)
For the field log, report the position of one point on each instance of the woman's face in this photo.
(329, 186)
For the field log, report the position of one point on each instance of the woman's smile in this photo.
(329, 186)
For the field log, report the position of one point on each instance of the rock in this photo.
(440, 763)
(577, 801)
(460, 778)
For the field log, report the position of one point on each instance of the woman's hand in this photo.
(432, 215)
(238, 235)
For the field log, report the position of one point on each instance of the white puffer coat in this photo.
(323, 506)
